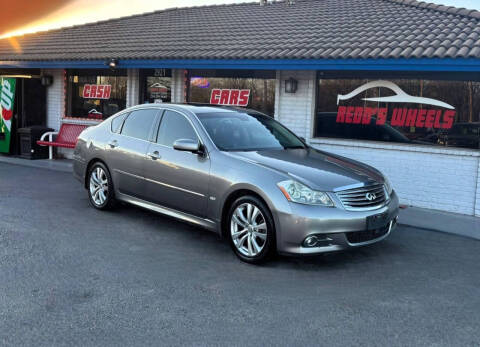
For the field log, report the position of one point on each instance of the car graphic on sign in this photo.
(400, 97)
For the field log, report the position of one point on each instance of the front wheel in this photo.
(251, 230)
(100, 187)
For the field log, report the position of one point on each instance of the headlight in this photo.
(300, 193)
(388, 185)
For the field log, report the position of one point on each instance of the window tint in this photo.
(139, 123)
(175, 126)
(236, 131)
(117, 123)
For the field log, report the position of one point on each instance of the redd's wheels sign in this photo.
(7, 100)
(438, 114)
(97, 91)
(233, 97)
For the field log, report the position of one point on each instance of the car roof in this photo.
(194, 108)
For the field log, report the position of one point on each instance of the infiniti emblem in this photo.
(370, 196)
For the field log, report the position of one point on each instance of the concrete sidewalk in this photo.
(447, 222)
(452, 223)
(64, 165)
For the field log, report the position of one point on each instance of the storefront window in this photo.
(95, 94)
(414, 111)
(156, 86)
(250, 89)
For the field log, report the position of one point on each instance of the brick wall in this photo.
(133, 87)
(477, 201)
(295, 110)
(437, 178)
(442, 180)
(178, 82)
(55, 98)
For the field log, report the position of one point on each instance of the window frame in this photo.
(68, 92)
(155, 138)
(152, 129)
(112, 118)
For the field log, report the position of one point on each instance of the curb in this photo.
(446, 222)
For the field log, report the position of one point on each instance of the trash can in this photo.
(27, 139)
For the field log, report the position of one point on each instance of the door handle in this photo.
(113, 143)
(154, 155)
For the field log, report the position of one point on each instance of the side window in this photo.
(139, 123)
(174, 126)
(117, 123)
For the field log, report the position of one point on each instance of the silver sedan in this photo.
(236, 172)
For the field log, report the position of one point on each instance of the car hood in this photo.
(318, 170)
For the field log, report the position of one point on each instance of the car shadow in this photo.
(192, 238)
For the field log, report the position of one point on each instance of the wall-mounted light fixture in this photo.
(46, 80)
(291, 85)
(112, 63)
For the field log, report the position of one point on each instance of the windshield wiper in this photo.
(294, 147)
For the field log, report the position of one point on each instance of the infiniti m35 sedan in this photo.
(236, 172)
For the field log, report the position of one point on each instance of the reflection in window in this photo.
(156, 86)
(95, 94)
(404, 120)
(262, 90)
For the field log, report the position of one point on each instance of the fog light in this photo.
(319, 240)
(311, 241)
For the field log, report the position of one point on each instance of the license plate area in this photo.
(378, 221)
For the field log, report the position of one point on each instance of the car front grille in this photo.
(364, 198)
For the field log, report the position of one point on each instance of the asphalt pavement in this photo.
(71, 275)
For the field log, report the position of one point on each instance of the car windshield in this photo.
(237, 131)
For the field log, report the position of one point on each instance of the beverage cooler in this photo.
(22, 105)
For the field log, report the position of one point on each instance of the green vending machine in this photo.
(7, 101)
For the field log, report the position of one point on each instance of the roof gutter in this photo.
(401, 64)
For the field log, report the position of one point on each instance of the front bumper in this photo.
(337, 228)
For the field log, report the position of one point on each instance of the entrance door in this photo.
(177, 179)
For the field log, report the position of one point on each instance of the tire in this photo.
(251, 230)
(100, 187)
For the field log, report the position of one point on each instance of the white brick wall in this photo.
(477, 201)
(295, 110)
(446, 180)
(55, 98)
(436, 178)
(133, 87)
(178, 83)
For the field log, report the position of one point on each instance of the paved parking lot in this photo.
(70, 275)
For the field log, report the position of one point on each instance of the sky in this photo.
(26, 16)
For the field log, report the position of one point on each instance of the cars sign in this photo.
(233, 97)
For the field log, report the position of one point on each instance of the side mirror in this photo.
(187, 145)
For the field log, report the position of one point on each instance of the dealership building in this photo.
(392, 83)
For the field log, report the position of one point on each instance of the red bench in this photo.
(66, 137)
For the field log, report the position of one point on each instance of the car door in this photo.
(177, 179)
(126, 151)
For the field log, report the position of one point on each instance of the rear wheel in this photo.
(100, 187)
(251, 230)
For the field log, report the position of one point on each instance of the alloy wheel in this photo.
(248, 229)
(98, 186)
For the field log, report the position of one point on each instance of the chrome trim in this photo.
(352, 190)
(174, 187)
(128, 174)
(373, 240)
(157, 182)
(206, 223)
